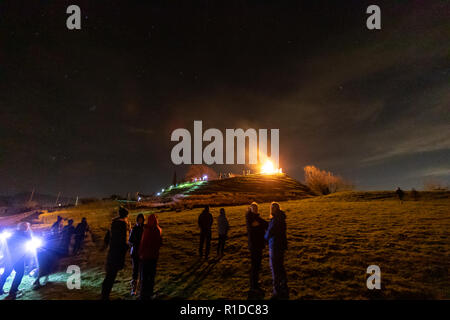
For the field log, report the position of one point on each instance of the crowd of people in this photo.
(44, 259)
(145, 240)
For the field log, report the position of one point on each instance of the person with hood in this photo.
(276, 236)
(118, 246)
(80, 234)
(134, 241)
(16, 258)
(223, 227)
(66, 238)
(205, 221)
(256, 228)
(148, 253)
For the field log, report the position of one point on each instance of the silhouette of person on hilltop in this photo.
(400, 194)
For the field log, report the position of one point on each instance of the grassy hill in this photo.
(332, 241)
(237, 190)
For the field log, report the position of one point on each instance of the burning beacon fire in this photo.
(269, 168)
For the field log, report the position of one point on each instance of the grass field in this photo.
(332, 241)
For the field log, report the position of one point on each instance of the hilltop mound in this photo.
(237, 190)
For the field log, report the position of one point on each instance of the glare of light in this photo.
(33, 244)
(268, 168)
(139, 198)
(162, 190)
(158, 194)
(5, 235)
(205, 177)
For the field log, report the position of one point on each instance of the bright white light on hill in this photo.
(33, 244)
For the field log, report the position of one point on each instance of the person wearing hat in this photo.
(118, 247)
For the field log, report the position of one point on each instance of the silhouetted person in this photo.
(276, 236)
(47, 258)
(135, 241)
(56, 227)
(80, 233)
(414, 194)
(400, 194)
(149, 253)
(256, 229)
(118, 247)
(16, 258)
(66, 237)
(222, 226)
(205, 220)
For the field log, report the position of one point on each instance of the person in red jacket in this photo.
(148, 253)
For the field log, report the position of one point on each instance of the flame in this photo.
(268, 168)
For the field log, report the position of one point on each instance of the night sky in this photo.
(90, 112)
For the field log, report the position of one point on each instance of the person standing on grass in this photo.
(223, 227)
(16, 259)
(276, 236)
(66, 238)
(80, 234)
(205, 221)
(47, 258)
(148, 253)
(57, 226)
(414, 194)
(400, 194)
(256, 229)
(135, 241)
(118, 247)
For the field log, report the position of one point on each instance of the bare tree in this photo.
(324, 182)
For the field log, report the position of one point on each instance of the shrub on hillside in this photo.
(434, 185)
(324, 182)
